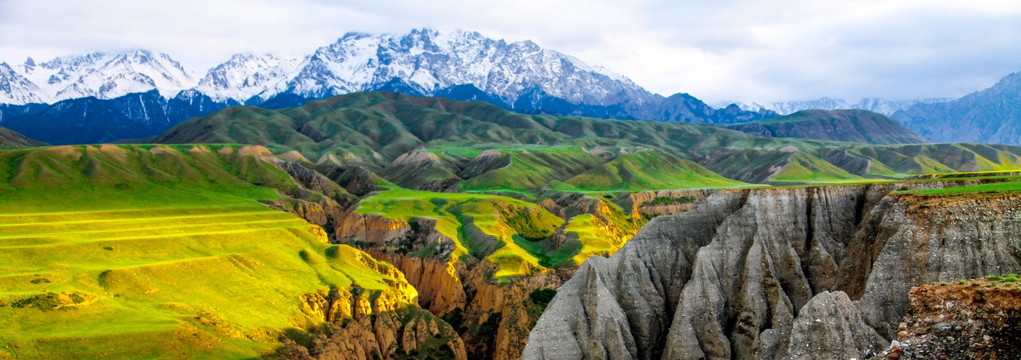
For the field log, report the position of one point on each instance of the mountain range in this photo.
(992, 115)
(462, 65)
(859, 126)
(423, 227)
(877, 105)
(139, 93)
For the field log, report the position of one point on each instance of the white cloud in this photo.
(751, 50)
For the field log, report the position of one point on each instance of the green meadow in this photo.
(145, 252)
(500, 229)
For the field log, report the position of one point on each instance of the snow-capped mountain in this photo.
(425, 61)
(16, 88)
(882, 106)
(246, 76)
(104, 76)
(150, 91)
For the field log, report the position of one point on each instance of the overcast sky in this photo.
(716, 50)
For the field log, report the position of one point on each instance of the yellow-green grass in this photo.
(507, 221)
(592, 234)
(168, 283)
(532, 168)
(805, 168)
(71, 178)
(601, 234)
(162, 252)
(1006, 187)
(647, 170)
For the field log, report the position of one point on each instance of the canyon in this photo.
(778, 273)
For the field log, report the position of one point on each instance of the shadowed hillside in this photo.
(857, 126)
(441, 144)
(10, 137)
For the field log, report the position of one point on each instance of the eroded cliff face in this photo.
(408, 332)
(492, 318)
(963, 319)
(775, 273)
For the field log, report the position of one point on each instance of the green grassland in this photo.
(599, 234)
(647, 170)
(532, 169)
(511, 233)
(162, 252)
(499, 229)
(375, 129)
(806, 168)
(994, 188)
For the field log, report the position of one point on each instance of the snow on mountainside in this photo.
(139, 93)
(244, 76)
(15, 88)
(104, 76)
(425, 61)
(882, 106)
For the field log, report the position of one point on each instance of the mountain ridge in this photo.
(10, 137)
(462, 65)
(439, 144)
(989, 115)
(859, 126)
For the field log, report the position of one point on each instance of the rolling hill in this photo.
(171, 251)
(12, 138)
(857, 126)
(442, 144)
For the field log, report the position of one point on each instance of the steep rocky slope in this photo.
(963, 319)
(776, 273)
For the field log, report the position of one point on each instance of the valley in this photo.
(392, 226)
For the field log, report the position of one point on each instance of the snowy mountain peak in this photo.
(245, 76)
(428, 60)
(15, 88)
(423, 61)
(104, 76)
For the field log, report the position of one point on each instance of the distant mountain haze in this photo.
(859, 126)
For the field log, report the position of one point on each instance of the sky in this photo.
(716, 50)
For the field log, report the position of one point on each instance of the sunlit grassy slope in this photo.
(602, 233)
(123, 252)
(994, 188)
(647, 170)
(375, 129)
(499, 229)
(513, 234)
(810, 169)
(532, 168)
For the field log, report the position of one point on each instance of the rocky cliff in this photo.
(776, 273)
(963, 319)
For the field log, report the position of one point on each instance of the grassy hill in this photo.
(12, 138)
(164, 252)
(441, 144)
(647, 170)
(499, 229)
(858, 126)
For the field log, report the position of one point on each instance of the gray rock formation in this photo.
(830, 326)
(745, 274)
